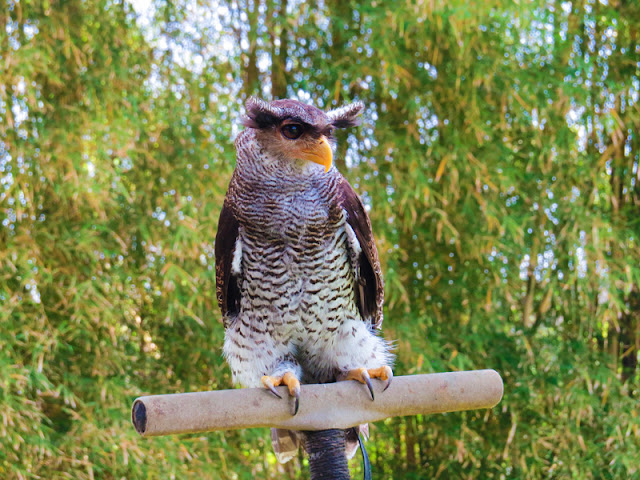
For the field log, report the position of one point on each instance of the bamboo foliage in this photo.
(498, 156)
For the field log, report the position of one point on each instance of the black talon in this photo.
(388, 381)
(272, 389)
(367, 379)
(295, 393)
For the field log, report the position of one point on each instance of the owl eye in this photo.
(292, 131)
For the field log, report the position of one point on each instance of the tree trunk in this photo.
(630, 337)
(410, 441)
(252, 76)
(280, 31)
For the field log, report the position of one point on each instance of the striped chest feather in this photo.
(301, 280)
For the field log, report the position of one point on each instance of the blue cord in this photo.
(365, 459)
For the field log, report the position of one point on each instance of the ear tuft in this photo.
(259, 114)
(347, 116)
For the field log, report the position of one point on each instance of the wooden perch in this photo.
(334, 405)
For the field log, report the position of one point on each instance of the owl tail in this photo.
(285, 442)
(353, 439)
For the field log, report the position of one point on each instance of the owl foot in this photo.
(364, 376)
(288, 379)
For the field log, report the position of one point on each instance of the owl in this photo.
(298, 277)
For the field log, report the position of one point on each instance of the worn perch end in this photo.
(139, 416)
(325, 406)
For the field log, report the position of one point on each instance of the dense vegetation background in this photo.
(499, 155)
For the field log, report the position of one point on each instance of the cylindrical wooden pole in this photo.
(336, 405)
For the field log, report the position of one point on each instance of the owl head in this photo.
(298, 132)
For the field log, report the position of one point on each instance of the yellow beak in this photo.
(319, 153)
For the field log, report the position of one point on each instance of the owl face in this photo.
(296, 132)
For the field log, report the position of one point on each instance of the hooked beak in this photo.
(319, 153)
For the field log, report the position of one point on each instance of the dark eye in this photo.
(292, 131)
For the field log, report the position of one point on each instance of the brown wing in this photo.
(371, 291)
(227, 290)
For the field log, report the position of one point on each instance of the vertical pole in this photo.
(327, 458)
